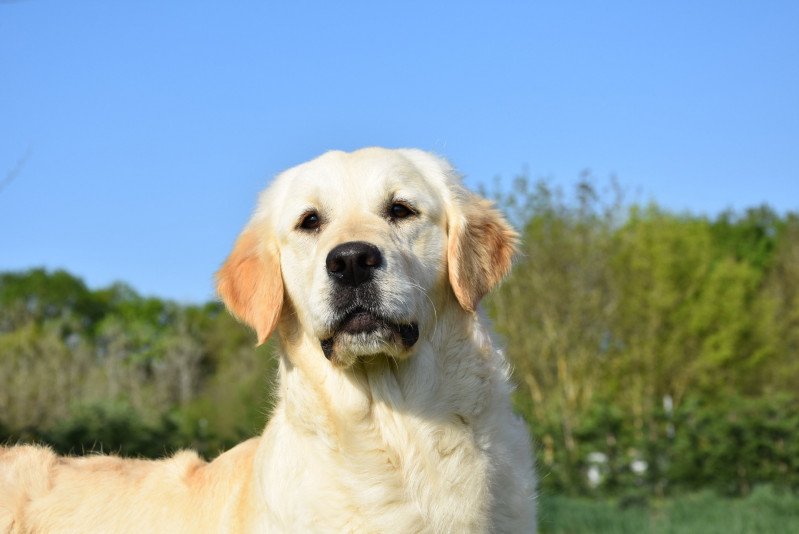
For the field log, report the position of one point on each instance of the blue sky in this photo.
(146, 129)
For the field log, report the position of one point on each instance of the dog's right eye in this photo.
(400, 210)
(310, 221)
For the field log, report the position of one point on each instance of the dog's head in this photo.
(358, 251)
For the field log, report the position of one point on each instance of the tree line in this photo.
(87, 370)
(653, 352)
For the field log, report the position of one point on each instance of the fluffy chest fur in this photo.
(413, 446)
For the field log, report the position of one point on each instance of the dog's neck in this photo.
(448, 377)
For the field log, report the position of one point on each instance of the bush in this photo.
(112, 429)
(733, 443)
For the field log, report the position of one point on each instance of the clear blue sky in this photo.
(147, 128)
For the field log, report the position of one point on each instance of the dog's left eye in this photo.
(399, 210)
(310, 221)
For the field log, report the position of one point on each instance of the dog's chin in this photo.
(361, 334)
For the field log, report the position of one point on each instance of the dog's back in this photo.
(43, 492)
(24, 477)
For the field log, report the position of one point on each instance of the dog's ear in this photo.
(251, 285)
(480, 248)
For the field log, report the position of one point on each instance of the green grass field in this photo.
(765, 510)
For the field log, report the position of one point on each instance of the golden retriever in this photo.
(393, 410)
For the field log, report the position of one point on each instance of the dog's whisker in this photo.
(423, 291)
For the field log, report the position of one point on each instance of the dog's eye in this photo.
(310, 221)
(399, 210)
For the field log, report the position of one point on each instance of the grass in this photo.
(764, 510)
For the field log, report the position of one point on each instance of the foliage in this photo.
(108, 369)
(654, 351)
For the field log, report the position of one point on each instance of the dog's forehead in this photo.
(355, 173)
(359, 180)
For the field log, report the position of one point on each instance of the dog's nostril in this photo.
(353, 263)
(372, 260)
(335, 265)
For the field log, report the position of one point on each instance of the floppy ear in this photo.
(479, 250)
(251, 286)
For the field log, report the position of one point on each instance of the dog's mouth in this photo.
(360, 320)
(360, 323)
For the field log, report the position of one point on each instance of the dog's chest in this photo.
(431, 466)
(392, 472)
(412, 455)
(419, 475)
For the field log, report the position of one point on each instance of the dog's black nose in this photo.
(353, 263)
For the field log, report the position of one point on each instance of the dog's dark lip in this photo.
(327, 347)
(409, 333)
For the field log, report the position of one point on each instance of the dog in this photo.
(393, 410)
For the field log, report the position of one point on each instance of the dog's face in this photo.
(358, 251)
(362, 243)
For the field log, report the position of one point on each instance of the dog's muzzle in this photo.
(352, 268)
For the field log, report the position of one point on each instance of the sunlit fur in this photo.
(379, 438)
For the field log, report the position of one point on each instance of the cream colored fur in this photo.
(379, 438)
